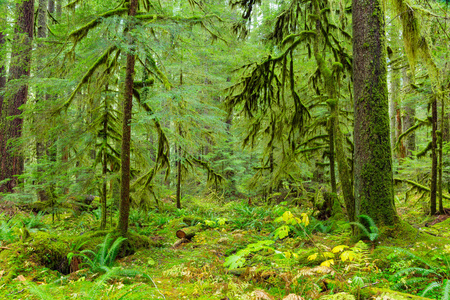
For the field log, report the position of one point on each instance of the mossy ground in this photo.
(37, 267)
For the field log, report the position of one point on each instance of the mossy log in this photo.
(418, 186)
(188, 233)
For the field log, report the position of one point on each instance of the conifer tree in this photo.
(16, 96)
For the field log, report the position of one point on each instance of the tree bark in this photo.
(124, 209)
(440, 165)
(13, 162)
(374, 191)
(433, 183)
(410, 113)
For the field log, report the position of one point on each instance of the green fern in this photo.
(430, 287)
(421, 271)
(371, 231)
(446, 290)
(103, 259)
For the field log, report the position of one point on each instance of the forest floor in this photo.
(239, 251)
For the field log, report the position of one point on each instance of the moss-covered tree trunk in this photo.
(433, 183)
(440, 164)
(179, 167)
(2, 84)
(331, 88)
(331, 155)
(409, 112)
(124, 209)
(374, 190)
(11, 124)
(40, 146)
(104, 166)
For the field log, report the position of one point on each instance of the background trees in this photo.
(286, 91)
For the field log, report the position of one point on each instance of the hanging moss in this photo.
(81, 32)
(100, 61)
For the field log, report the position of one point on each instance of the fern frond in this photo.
(408, 271)
(416, 257)
(430, 287)
(446, 291)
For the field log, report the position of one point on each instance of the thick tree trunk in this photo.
(12, 163)
(124, 210)
(374, 191)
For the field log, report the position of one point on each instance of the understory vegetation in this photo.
(239, 250)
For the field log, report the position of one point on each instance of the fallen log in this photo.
(188, 233)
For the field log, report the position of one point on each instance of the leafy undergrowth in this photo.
(238, 252)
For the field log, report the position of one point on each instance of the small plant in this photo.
(34, 222)
(7, 233)
(104, 258)
(368, 227)
(291, 224)
(239, 259)
(414, 277)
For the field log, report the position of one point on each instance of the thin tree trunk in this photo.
(441, 205)
(410, 113)
(332, 156)
(374, 189)
(124, 210)
(341, 157)
(13, 163)
(433, 186)
(59, 9)
(105, 166)
(2, 86)
(51, 6)
(40, 149)
(179, 166)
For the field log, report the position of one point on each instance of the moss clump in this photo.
(338, 296)
(133, 242)
(49, 251)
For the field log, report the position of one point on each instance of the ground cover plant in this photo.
(284, 256)
(207, 149)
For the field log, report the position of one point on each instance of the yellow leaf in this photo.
(313, 256)
(348, 255)
(287, 216)
(287, 254)
(295, 255)
(339, 248)
(328, 255)
(327, 263)
(305, 219)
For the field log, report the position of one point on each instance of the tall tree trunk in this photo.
(59, 9)
(40, 149)
(331, 80)
(51, 6)
(433, 182)
(179, 166)
(2, 86)
(440, 140)
(374, 190)
(409, 112)
(124, 210)
(332, 156)
(12, 163)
